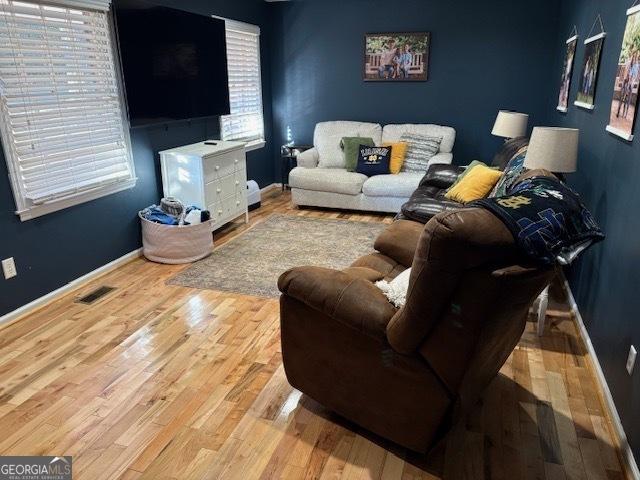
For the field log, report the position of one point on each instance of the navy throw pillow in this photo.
(373, 160)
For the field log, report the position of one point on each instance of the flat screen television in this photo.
(174, 63)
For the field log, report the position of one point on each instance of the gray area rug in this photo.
(252, 262)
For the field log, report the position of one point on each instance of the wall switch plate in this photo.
(631, 359)
(9, 268)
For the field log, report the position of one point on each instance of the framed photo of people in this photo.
(396, 57)
(589, 73)
(567, 72)
(625, 91)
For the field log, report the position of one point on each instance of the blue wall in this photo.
(52, 250)
(484, 56)
(606, 281)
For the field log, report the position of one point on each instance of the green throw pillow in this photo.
(351, 147)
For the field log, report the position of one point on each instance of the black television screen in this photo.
(174, 63)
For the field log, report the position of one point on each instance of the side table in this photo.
(288, 154)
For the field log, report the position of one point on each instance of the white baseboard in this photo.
(269, 187)
(68, 288)
(627, 455)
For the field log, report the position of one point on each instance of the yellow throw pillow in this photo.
(475, 185)
(398, 152)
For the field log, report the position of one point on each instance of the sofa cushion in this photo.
(378, 262)
(334, 180)
(392, 133)
(364, 272)
(327, 136)
(400, 185)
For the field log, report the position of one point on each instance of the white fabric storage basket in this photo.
(176, 244)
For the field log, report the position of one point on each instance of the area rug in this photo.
(252, 262)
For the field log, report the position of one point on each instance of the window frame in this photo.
(28, 211)
(252, 144)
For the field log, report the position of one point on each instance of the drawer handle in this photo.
(217, 167)
(218, 190)
(237, 182)
(219, 212)
(238, 202)
(235, 161)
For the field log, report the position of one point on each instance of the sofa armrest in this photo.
(441, 176)
(441, 158)
(308, 158)
(352, 301)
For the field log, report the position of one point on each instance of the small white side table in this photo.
(540, 305)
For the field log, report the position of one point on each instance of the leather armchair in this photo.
(408, 374)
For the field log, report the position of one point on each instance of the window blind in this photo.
(246, 121)
(61, 113)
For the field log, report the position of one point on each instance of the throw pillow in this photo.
(350, 146)
(398, 153)
(476, 184)
(421, 148)
(396, 289)
(512, 171)
(373, 160)
(467, 170)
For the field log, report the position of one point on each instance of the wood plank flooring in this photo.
(164, 382)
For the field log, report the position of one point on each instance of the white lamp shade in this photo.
(510, 124)
(554, 149)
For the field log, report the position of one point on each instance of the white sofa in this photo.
(320, 179)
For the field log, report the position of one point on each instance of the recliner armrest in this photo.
(441, 176)
(350, 300)
(308, 158)
(399, 241)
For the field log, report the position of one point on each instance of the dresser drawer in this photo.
(217, 167)
(228, 208)
(225, 187)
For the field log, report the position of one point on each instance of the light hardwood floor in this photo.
(164, 382)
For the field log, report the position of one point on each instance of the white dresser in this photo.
(213, 177)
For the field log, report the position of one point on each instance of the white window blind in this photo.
(61, 113)
(246, 121)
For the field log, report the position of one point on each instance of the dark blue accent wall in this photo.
(484, 56)
(606, 280)
(55, 249)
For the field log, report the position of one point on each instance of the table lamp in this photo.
(554, 149)
(510, 124)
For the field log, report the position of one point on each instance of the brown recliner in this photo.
(409, 374)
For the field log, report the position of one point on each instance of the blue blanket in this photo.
(549, 222)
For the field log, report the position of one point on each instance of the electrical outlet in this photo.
(631, 359)
(9, 268)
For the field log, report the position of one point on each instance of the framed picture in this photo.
(589, 73)
(625, 90)
(396, 57)
(567, 72)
